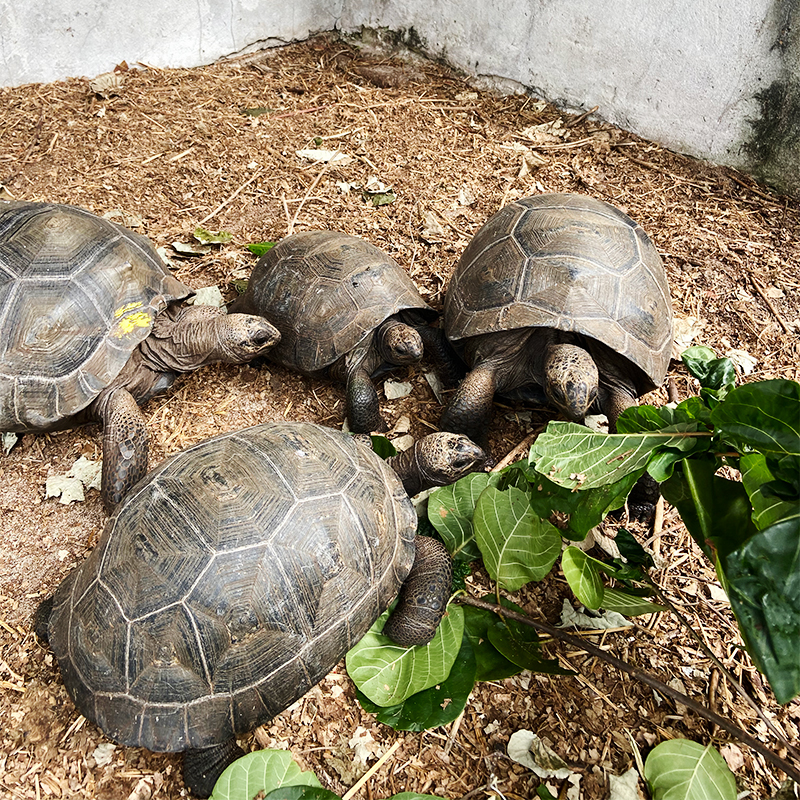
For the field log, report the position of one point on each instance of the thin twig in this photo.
(580, 118)
(234, 195)
(514, 454)
(662, 688)
(311, 188)
(760, 289)
(371, 771)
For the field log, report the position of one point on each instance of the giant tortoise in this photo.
(559, 297)
(237, 574)
(93, 325)
(344, 309)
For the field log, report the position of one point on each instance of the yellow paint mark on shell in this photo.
(128, 307)
(140, 319)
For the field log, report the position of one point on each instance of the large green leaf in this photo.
(299, 793)
(261, 770)
(571, 455)
(435, 706)
(715, 510)
(520, 644)
(583, 576)
(586, 508)
(685, 770)
(389, 674)
(763, 415)
(517, 546)
(491, 664)
(764, 589)
(450, 510)
(767, 508)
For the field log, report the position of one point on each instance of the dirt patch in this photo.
(170, 149)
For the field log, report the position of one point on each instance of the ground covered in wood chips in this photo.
(164, 151)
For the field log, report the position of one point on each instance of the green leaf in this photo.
(261, 770)
(382, 446)
(491, 665)
(684, 770)
(571, 455)
(630, 549)
(715, 510)
(379, 198)
(767, 508)
(516, 545)
(255, 112)
(543, 793)
(450, 510)
(712, 372)
(259, 248)
(583, 576)
(627, 604)
(206, 237)
(764, 589)
(435, 706)
(301, 793)
(763, 415)
(389, 674)
(520, 644)
(586, 508)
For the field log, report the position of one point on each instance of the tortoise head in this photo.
(571, 380)
(437, 459)
(193, 336)
(398, 343)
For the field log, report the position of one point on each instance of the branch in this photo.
(642, 676)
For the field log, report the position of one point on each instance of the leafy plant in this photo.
(749, 528)
(274, 775)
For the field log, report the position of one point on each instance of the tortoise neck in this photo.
(408, 470)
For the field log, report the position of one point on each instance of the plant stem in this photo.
(744, 737)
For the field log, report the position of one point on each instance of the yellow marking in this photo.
(129, 307)
(141, 319)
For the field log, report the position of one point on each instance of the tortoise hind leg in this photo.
(202, 768)
(124, 446)
(424, 595)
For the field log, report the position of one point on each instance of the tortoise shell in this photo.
(325, 292)
(234, 577)
(77, 294)
(572, 263)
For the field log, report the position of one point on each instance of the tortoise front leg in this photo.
(124, 446)
(424, 595)
(470, 410)
(202, 768)
(363, 406)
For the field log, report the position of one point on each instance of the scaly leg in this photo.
(124, 446)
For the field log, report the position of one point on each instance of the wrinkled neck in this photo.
(407, 469)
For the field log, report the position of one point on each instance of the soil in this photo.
(166, 151)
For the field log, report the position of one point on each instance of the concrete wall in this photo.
(47, 40)
(718, 79)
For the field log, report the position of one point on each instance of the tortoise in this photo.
(344, 309)
(93, 325)
(560, 298)
(237, 574)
